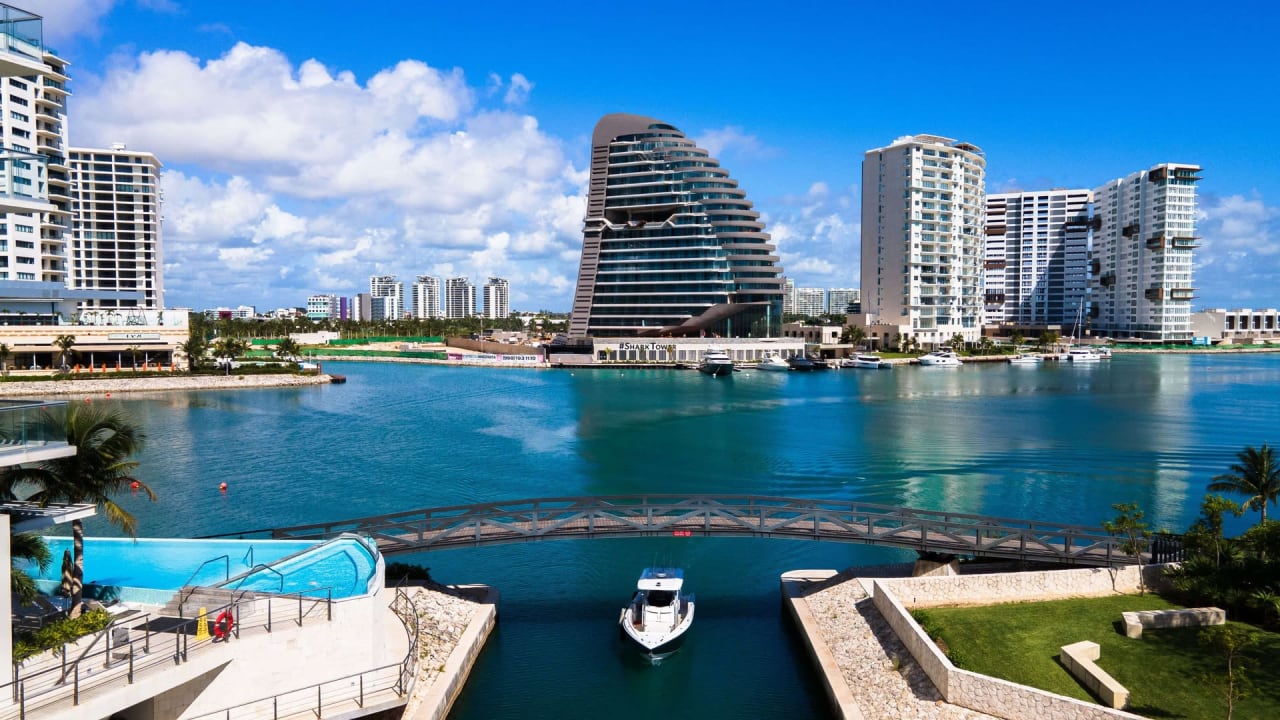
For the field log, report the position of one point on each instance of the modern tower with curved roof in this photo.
(671, 245)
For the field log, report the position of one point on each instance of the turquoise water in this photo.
(338, 569)
(1057, 442)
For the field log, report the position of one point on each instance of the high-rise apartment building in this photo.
(497, 298)
(328, 307)
(671, 245)
(1037, 259)
(459, 298)
(843, 300)
(115, 239)
(788, 296)
(426, 297)
(1143, 237)
(386, 286)
(922, 241)
(811, 301)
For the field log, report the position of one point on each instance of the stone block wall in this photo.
(992, 588)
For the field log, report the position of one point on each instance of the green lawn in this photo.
(1020, 642)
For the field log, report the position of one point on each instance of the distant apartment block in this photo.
(671, 245)
(497, 298)
(362, 307)
(1239, 325)
(1143, 240)
(1037, 258)
(788, 296)
(115, 241)
(811, 301)
(922, 204)
(427, 297)
(459, 298)
(844, 300)
(328, 307)
(386, 296)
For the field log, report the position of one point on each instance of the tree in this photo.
(105, 441)
(5, 352)
(31, 548)
(1133, 534)
(64, 344)
(957, 342)
(1016, 339)
(1048, 339)
(229, 348)
(1256, 476)
(287, 349)
(1230, 641)
(853, 335)
(194, 347)
(134, 352)
(1206, 532)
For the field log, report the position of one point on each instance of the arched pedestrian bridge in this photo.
(618, 516)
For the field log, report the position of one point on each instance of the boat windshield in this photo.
(661, 598)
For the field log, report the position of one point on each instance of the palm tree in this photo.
(4, 358)
(194, 348)
(64, 344)
(287, 349)
(105, 440)
(32, 548)
(1256, 476)
(229, 348)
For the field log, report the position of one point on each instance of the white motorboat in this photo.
(866, 360)
(941, 358)
(1026, 360)
(659, 613)
(772, 361)
(715, 362)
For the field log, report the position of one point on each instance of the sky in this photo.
(309, 145)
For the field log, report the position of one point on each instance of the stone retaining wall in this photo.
(843, 705)
(434, 702)
(980, 692)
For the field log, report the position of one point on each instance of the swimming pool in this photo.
(150, 570)
(345, 567)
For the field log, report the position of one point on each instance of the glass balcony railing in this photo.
(21, 33)
(26, 429)
(22, 186)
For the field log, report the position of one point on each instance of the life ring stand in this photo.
(222, 626)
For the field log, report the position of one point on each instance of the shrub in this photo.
(60, 632)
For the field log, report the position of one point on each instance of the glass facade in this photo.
(671, 244)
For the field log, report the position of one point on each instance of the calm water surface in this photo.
(1059, 443)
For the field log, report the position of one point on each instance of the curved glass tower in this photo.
(671, 245)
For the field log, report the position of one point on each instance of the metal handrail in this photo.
(408, 666)
(248, 574)
(226, 711)
(226, 576)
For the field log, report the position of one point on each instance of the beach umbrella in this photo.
(67, 566)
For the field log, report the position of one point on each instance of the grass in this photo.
(1162, 670)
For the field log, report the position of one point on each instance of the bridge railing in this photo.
(741, 515)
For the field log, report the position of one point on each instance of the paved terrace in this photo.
(730, 515)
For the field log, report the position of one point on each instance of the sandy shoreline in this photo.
(160, 383)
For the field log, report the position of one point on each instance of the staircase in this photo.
(188, 601)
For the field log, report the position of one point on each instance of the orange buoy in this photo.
(135, 485)
(222, 487)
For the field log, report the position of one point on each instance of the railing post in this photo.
(130, 663)
(22, 702)
(146, 638)
(299, 609)
(329, 603)
(361, 703)
(275, 708)
(269, 604)
(16, 668)
(319, 705)
(75, 689)
(106, 656)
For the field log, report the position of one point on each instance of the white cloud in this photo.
(818, 236)
(1239, 253)
(65, 19)
(732, 139)
(289, 179)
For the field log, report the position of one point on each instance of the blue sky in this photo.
(308, 145)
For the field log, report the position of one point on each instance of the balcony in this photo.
(1182, 293)
(1185, 243)
(1155, 242)
(1130, 230)
(21, 42)
(24, 438)
(1107, 280)
(1155, 294)
(20, 173)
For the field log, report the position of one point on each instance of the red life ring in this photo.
(222, 626)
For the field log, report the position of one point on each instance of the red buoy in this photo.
(222, 487)
(135, 484)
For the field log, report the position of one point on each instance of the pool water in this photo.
(340, 568)
(150, 570)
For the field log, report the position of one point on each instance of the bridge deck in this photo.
(731, 515)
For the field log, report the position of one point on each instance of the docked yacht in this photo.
(659, 613)
(801, 363)
(941, 358)
(773, 361)
(715, 362)
(866, 360)
(1026, 360)
(1077, 353)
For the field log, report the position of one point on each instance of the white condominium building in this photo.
(839, 300)
(788, 296)
(426, 297)
(810, 301)
(922, 241)
(497, 298)
(1143, 237)
(386, 286)
(459, 298)
(1037, 258)
(115, 243)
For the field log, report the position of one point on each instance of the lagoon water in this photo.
(1060, 443)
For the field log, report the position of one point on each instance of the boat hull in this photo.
(715, 369)
(660, 643)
